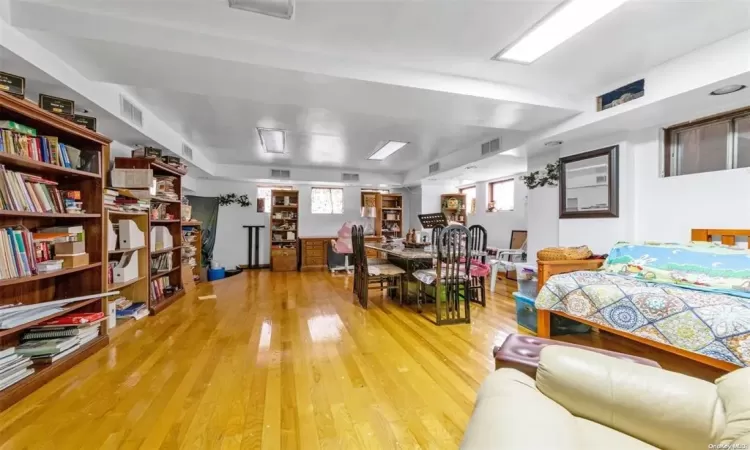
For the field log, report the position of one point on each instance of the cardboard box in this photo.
(132, 178)
(70, 248)
(71, 261)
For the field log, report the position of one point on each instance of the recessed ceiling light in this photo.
(387, 150)
(283, 9)
(553, 143)
(564, 22)
(273, 140)
(732, 88)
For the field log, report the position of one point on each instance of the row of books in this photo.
(165, 188)
(25, 192)
(13, 367)
(135, 311)
(161, 287)
(42, 148)
(17, 254)
(54, 339)
(161, 262)
(127, 199)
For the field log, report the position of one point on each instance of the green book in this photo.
(17, 127)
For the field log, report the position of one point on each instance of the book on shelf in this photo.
(15, 377)
(47, 332)
(75, 319)
(135, 311)
(161, 287)
(165, 188)
(43, 347)
(15, 140)
(21, 191)
(17, 253)
(132, 200)
(11, 366)
(161, 262)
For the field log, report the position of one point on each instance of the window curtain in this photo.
(206, 210)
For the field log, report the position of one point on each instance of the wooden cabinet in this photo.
(283, 259)
(314, 253)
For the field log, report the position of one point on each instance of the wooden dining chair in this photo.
(385, 277)
(478, 244)
(450, 277)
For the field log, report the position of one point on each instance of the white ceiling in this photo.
(344, 76)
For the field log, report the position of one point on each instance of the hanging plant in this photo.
(229, 199)
(549, 176)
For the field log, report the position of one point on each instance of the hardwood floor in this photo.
(280, 361)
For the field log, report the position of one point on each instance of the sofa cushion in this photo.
(510, 413)
(733, 389)
(666, 409)
(594, 435)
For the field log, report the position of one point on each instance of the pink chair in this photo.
(343, 246)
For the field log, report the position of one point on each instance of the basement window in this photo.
(711, 144)
(501, 195)
(327, 201)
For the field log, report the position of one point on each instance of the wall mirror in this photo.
(588, 184)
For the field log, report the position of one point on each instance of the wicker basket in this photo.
(563, 253)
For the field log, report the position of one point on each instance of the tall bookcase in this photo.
(174, 225)
(454, 207)
(390, 215)
(137, 289)
(284, 230)
(195, 228)
(65, 283)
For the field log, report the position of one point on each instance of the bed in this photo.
(689, 299)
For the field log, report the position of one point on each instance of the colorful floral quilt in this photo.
(714, 324)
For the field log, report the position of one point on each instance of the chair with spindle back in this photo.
(450, 277)
(375, 274)
(478, 246)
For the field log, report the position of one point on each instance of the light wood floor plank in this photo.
(281, 361)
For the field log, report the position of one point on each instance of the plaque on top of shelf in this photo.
(12, 84)
(171, 160)
(146, 152)
(86, 121)
(60, 106)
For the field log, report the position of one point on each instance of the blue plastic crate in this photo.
(526, 318)
(216, 274)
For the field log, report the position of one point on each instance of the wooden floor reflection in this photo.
(280, 361)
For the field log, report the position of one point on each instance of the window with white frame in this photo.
(327, 201)
(471, 196)
(708, 145)
(501, 194)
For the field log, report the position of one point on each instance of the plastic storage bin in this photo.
(215, 274)
(526, 318)
(528, 288)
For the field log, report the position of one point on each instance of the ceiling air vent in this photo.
(130, 112)
(187, 152)
(349, 177)
(280, 174)
(434, 167)
(491, 146)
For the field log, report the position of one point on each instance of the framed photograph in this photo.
(589, 184)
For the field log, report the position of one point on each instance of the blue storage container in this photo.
(526, 318)
(525, 312)
(528, 288)
(215, 274)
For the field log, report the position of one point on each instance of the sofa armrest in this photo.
(665, 409)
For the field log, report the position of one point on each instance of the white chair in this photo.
(506, 259)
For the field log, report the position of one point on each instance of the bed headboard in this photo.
(728, 237)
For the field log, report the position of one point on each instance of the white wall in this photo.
(668, 208)
(231, 239)
(542, 209)
(431, 193)
(500, 224)
(415, 207)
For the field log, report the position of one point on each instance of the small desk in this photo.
(314, 251)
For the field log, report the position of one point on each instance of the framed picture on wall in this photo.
(589, 184)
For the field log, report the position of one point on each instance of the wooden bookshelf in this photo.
(284, 220)
(69, 282)
(196, 228)
(390, 217)
(173, 225)
(137, 289)
(454, 207)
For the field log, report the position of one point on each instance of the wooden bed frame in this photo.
(549, 268)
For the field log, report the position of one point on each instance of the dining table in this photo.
(410, 260)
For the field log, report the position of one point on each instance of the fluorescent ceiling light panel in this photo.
(387, 150)
(564, 22)
(274, 141)
(283, 9)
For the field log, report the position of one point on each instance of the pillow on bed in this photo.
(699, 264)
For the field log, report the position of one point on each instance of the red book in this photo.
(74, 319)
